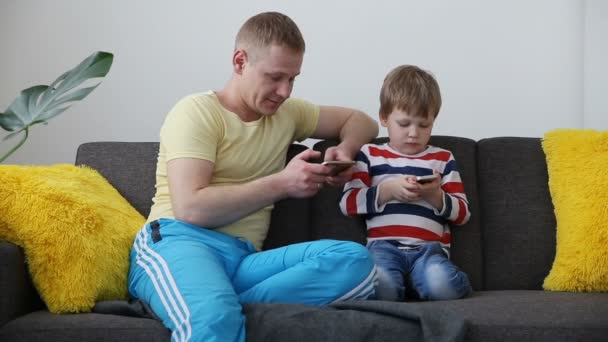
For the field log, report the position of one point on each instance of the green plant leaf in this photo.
(9, 136)
(41, 103)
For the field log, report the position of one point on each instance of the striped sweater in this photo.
(411, 223)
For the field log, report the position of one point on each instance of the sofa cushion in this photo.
(129, 166)
(529, 315)
(518, 223)
(75, 229)
(578, 182)
(91, 327)
(352, 321)
(18, 295)
(328, 221)
(489, 315)
(290, 220)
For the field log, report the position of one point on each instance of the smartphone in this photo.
(338, 165)
(425, 179)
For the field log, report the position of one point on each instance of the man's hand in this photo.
(338, 153)
(303, 179)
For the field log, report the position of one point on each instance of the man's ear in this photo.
(239, 59)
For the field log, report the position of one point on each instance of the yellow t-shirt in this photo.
(199, 127)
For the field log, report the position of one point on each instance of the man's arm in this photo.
(196, 202)
(353, 127)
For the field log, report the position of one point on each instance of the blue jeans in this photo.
(423, 273)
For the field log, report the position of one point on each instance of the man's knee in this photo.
(352, 256)
(350, 249)
(355, 268)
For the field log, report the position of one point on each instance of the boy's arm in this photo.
(455, 203)
(359, 196)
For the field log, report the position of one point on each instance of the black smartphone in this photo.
(426, 179)
(338, 165)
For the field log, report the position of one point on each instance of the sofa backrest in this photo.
(509, 243)
(290, 221)
(329, 223)
(129, 166)
(518, 222)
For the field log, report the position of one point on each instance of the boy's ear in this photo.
(383, 121)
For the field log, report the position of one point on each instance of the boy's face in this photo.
(408, 134)
(268, 78)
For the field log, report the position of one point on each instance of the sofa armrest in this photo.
(17, 294)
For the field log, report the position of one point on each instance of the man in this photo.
(220, 169)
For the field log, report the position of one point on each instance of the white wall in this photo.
(596, 65)
(505, 67)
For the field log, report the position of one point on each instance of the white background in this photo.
(506, 68)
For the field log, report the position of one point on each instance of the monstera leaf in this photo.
(40, 103)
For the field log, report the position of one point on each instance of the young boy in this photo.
(408, 220)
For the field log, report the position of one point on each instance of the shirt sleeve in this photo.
(455, 204)
(359, 196)
(192, 129)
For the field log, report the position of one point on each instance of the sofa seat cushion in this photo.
(344, 322)
(90, 327)
(491, 316)
(353, 321)
(530, 315)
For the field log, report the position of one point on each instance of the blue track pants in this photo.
(196, 279)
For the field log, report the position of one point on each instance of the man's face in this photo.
(268, 77)
(408, 134)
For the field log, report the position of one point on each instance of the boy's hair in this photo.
(410, 89)
(265, 29)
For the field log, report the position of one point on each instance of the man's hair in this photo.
(412, 90)
(265, 29)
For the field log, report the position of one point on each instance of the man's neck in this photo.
(230, 98)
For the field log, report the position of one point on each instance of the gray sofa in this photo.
(507, 249)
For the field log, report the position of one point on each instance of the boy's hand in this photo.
(431, 192)
(407, 189)
(402, 189)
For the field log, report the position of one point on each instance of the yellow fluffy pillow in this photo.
(577, 161)
(76, 231)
